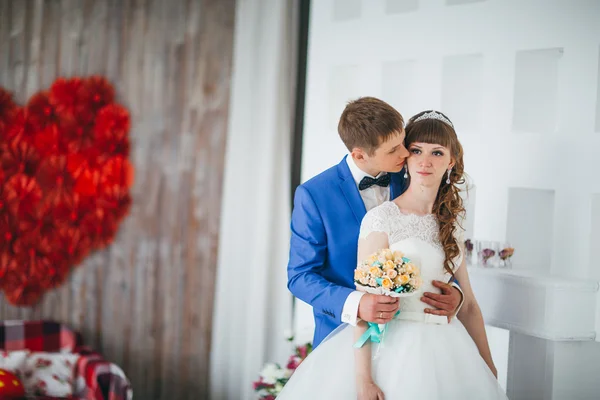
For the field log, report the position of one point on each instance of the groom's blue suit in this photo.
(325, 225)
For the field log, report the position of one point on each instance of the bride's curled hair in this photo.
(448, 206)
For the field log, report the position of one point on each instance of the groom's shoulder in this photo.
(329, 177)
(320, 189)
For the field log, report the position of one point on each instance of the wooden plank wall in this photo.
(146, 302)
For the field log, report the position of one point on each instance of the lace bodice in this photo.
(418, 238)
(389, 219)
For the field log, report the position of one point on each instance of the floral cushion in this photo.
(49, 374)
(13, 361)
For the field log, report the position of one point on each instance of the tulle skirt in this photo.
(417, 360)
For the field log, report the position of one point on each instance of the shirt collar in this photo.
(357, 173)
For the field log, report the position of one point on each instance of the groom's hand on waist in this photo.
(445, 303)
(377, 308)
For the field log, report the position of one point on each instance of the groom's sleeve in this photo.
(350, 310)
(308, 252)
(462, 299)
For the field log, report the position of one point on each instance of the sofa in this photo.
(52, 362)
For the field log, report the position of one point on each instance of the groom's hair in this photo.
(367, 122)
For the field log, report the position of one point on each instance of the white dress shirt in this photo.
(372, 197)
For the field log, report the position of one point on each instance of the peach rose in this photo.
(401, 280)
(392, 273)
(389, 255)
(358, 274)
(416, 282)
(386, 283)
(375, 271)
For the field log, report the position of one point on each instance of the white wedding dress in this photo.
(422, 356)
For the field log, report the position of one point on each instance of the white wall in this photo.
(519, 79)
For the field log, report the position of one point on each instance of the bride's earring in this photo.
(448, 178)
(405, 172)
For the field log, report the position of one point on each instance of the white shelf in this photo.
(537, 304)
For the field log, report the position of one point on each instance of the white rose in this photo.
(271, 373)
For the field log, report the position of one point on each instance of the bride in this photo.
(421, 356)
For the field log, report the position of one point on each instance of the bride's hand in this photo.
(368, 390)
(494, 371)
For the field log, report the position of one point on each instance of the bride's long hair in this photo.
(448, 205)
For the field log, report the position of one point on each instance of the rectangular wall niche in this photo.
(345, 10)
(401, 6)
(535, 93)
(398, 85)
(530, 227)
(462, 77)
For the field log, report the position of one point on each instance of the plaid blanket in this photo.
(95, 378)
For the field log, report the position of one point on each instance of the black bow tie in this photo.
(367, 182)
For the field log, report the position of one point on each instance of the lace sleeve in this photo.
(374, 221)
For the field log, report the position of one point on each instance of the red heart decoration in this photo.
(11, 386)
(65, 178)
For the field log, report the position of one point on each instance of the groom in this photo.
(328, 210)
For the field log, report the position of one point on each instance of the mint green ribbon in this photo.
(373, 332)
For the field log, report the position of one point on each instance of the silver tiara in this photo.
(435, 115)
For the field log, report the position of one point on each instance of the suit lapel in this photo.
(351, 192)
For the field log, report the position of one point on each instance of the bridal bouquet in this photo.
(388, 272)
